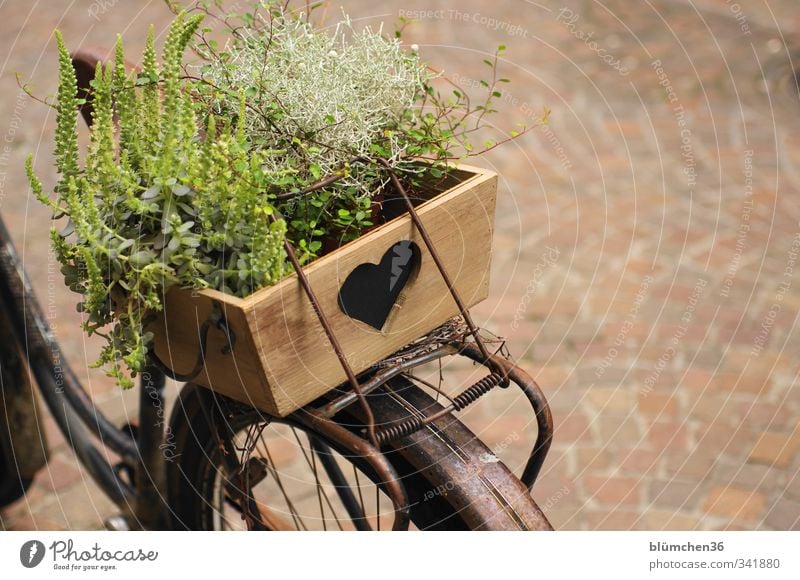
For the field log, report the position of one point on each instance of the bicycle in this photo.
(212, 467)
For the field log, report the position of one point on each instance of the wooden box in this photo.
(282, 360)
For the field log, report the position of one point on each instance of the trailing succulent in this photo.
(195, 175)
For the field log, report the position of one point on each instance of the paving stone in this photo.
(760, 416)
(660, 405)
(747, 476)
(60, 472)
(615, 519)
(696, 465)
(574, 427)
(750, 381)
(659, 519)
(556, 493)
(668, 435)
(775, 449)
(784, 515)
(793, 485)
(611, 400)
(713, 407)
(697, 378)
(639, 461)
(673, 493)
(737, 504)
(593, 459)
(613, 490)
(619, 431)
(723, 439)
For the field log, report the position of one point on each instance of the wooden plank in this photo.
(239, 374)
(282, 359)
(297, 358)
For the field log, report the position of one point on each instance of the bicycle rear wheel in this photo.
(296, 478)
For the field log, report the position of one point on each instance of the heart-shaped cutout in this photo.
(371, 290)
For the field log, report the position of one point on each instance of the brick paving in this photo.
(644, 260)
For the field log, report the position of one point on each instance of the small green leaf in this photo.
(141, 258)
(151, 192)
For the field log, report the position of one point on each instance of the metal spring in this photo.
(398, 430)
(476, 391)
(414, 424)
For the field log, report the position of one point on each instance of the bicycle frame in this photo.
(75, 414)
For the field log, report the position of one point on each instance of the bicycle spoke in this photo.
(312, 464)
(296, 517)
(360, 495)
(227, 499)
(319, 492)
(340, 483)
(378, 506)
(272, 520)
(233, 465)
(268, 518)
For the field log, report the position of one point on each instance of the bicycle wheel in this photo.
(299, 479)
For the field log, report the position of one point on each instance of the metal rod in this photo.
(340, 484)
(508, 371)
(376, 381)
(359, 447)
(351, 377)
(459, 403)
(544, 418)
(437, 260)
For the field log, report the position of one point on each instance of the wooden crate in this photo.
(282, 359)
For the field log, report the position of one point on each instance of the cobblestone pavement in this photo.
(645, 258)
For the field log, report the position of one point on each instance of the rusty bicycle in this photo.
(383, 451)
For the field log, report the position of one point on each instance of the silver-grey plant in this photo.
(342, 88)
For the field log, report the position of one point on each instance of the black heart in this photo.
(370, 291)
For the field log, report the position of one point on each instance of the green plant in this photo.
(171, 205)
(195, 176)
(332, 104)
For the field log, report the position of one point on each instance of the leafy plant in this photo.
(195, 176)
(170, 205)
(333, 104)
